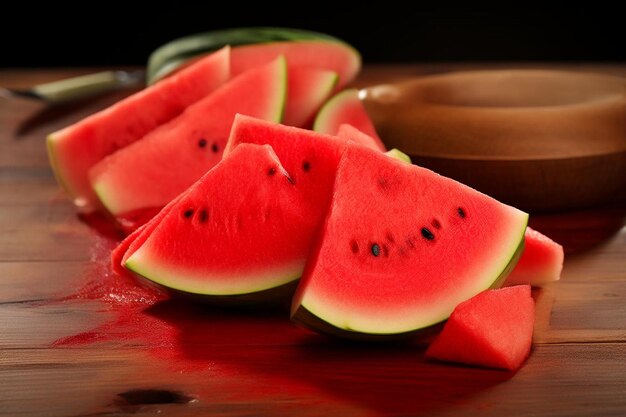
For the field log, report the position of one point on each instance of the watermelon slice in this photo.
(75, 149)
(310, 158)
(345, 108)
(401, 247)
(338, 57)
(541, 262)
(178, 153)
(257, 46)
(307, 90)
(350, 132)
(492, 329)
(214, 241)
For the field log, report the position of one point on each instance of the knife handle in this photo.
(72, 89)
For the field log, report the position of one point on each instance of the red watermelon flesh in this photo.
(307, 90)
(138, 236)
(541, 262)
(401, 247)
(241, 229)
(492, 329)
(345, 108)
(311, 158)
(330, 56)
(349, 132)
(178, 153)
(75, 149)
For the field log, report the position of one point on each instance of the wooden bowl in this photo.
(539, 140)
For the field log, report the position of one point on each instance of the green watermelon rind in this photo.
(138, 266)
(173, 54)
(57, 168)
(329, 108)
(283, 91)
(307, 318)
(398, 155)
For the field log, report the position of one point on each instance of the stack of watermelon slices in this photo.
(174, 131)
(368, 234)
(238, 208)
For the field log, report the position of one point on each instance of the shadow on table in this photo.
(265, 347)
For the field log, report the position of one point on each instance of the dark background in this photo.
(111, 34)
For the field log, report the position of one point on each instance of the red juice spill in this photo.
(258, 356)
(123, 297)
(173, 328)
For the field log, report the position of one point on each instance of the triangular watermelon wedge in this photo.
(492, 329)
(401, 247)
(75, 149)
(178, 153)
(238, 230)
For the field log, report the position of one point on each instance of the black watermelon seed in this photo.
(188, 213)
(203, 216)
(215, 148)
(436, 224)
(354, 246)
(375, 249)
(461, 212)
(271, 171)
(202, 143)
(427, 233)
(306, 166)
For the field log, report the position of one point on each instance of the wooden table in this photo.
(248, 363)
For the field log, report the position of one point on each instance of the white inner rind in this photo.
(210, 282)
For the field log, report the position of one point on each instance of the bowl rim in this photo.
(604, 111)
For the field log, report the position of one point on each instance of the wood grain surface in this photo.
(256, 363)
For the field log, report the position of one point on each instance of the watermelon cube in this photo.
(493, 329)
